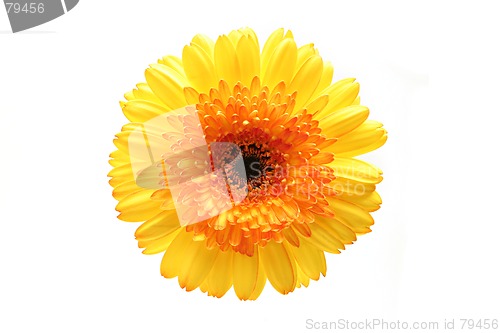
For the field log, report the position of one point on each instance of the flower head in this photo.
(241, 164)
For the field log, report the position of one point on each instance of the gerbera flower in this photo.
(241, 164)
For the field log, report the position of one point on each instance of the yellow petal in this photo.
(356, 218)
(368, 134)
(174, 63)
(317, 105)
(302, 278)
(260, 284)
(137, 207)
(349, 187)
(167, 84)
(341, 94)
(159, 225)
(306, 80)
(204, 42)
(118, 158)
(269, 47)
(281, 66)
(129, 95)
(279, 266)
(326, 78)
(247, 50)
(234, 36)
(204, 286)
(291, 236)
(245, 274)
(337, 228)
(157, 245)
(344, 120)
(324, 239)
(131, 127)
(310, 260)
(173, 259)
(357, 170)
(121, 174)
(143, 91)
(226, 62)
(124, 189)
(122, 139)
(322, 157)
(199, 68)
(304, 53)
(250, 33)
(196, 265)
(373, 144)
(220, 278)
(192, 96)
(370, 201)
(142, 110)
(289, 34)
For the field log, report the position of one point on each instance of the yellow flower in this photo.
(294, 135)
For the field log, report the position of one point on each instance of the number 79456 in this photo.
(28, 8)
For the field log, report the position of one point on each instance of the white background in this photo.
(428, 72)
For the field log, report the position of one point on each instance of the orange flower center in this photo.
(262, 161)
(283, 178)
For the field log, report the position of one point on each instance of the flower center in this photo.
(255, 161)
(276, 185)
(261, 155)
